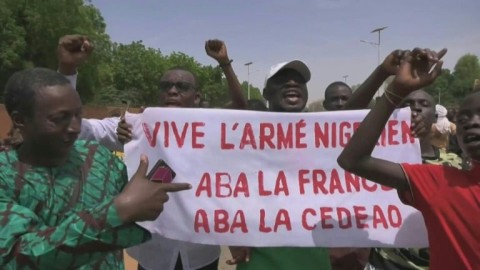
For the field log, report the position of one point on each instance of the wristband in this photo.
(226, 64)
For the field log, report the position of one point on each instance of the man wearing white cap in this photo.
(286, 91)
(286, 86)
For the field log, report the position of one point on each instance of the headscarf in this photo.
(443, 125)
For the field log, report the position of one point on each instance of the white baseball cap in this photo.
(296, 65)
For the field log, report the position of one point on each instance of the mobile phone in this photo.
(127, 106)
(161, 172)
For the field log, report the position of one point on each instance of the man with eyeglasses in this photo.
(179, 88)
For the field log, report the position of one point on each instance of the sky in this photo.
(325, 34)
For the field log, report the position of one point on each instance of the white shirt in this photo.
(103, 131)
(161, 253)
(72, 79)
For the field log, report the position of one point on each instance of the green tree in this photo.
(30, 30)
(216, 94)
(212, 85)
(30, 33)
(114, 97)
(255, 92)
(465, 72)
(12, 41)
(136, 71)
(440, 88)
(451, 87)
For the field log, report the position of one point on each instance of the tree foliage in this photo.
(466, 71)
(451, 87)
(114, 72)
(439, 88)
(30, 30)
(255, 92)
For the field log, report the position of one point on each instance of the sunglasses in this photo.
(181, 87)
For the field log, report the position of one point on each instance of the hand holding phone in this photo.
(141, 199)
(161, 172)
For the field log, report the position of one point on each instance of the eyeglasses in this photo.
(181, 87)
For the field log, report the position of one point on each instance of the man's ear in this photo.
(18, 120)
(197, 98)
(323, 103)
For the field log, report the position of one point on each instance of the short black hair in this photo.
(428, 95)
(334, 85)
(197, 82)
(469, 95)
(21, 87)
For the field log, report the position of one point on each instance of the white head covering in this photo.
(443, 125)
(297, 65)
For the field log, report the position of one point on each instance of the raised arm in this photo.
(72, 51)
(218, 51)
(363, 95)
(412, 74)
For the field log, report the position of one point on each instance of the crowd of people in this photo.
(66, 202)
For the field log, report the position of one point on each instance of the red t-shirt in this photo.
(449, 200)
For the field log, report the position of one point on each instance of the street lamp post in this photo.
(248, 79)
(379, 30)
(345, 78)
(378, 44)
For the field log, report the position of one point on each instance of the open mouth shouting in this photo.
(292, 96)
(471, 139)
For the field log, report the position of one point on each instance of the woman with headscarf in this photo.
(442, 129)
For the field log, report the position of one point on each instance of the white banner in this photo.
(272, 179)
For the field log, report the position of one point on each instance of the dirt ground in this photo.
(131, 264)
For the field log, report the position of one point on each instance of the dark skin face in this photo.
(421, 103)
(286, 91)
(336, 98)
(49, 134)
(178, 88)
(468, 126)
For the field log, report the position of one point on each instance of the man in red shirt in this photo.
(448, 198)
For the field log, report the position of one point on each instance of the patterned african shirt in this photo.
(63, 217)
(120, 155)
(411, 258)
